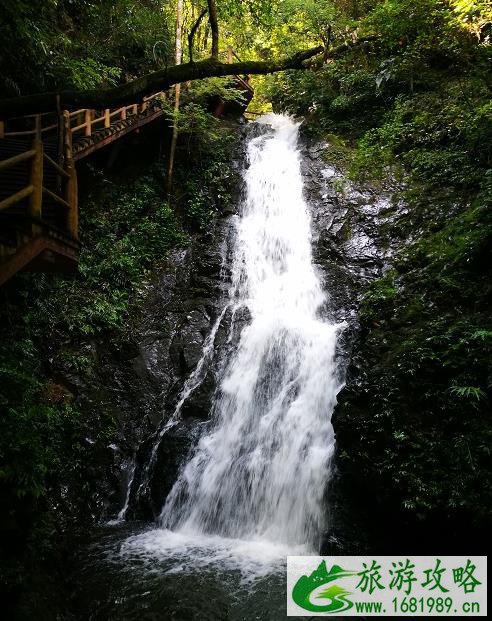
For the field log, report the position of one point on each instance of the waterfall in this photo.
(260, 471)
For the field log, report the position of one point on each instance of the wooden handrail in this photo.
(98, 119)
(18, 196)
(49, 128)
(88, 122)
(31, 116)
(12, 161)
(77, 127)
(57, 198)
(70, 114)
(56, 166)
(31, 132)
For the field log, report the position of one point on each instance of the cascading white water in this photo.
(261, 471)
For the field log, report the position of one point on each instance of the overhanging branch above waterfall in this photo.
(150, 83)
(164, 78)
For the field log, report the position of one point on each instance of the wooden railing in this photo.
(39, 214)
(69, 126)
(38, 209)
(86, 120)
(35, 120)
(34, 190)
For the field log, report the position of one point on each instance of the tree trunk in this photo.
(192, 33)
(214, 26)
(174, 140)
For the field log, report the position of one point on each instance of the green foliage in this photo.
(379, 296)
(49, 447)
(81, 43)
(426, 347)
(206, 179)
(440, 137)
(417, 98)
(86, 73)
(471, 393)
(125, 231)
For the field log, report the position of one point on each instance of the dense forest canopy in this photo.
(89, 46)
(396, 90)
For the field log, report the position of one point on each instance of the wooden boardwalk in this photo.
(38, 180)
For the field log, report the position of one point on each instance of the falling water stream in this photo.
(261, 472)
(252, 489)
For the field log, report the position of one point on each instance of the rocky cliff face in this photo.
(181, 310)
(357, 232)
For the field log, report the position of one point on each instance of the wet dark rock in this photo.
(199, 404)
(353, 224)
(173, 449)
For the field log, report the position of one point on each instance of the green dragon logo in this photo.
(338, 596)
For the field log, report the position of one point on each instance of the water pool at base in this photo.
(129, 572)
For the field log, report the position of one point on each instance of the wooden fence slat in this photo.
(56, 166)
(12, 161)
(49, 128)
(115, 113)
(15, 198)
(57, 198)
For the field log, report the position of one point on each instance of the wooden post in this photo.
(88, 120)
(123, 113)
(61, 147)
(71, 194)
(2, 129)
(229, 54)
(36, 198)
(37, 126)
(107, 120)
(67, 136)
(72, 199)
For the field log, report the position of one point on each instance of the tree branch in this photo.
(341, 49)
(133, 91)
(191, 34)
(214, 26)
